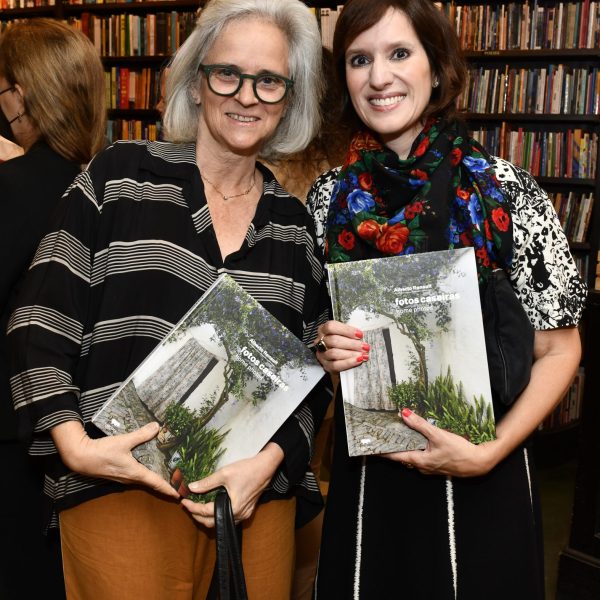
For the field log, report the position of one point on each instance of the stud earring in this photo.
(435, 82)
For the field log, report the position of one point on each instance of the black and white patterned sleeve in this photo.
(543, 272)
(317, 202)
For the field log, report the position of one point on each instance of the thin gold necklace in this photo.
(225, 198)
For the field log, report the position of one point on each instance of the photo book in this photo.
(220, 384)
(421, 316)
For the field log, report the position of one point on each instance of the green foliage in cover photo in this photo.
(366, 287)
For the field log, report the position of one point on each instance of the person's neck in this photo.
(27, 139)
(402, 144)
(220, 165)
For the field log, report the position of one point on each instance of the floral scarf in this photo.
(444, 195)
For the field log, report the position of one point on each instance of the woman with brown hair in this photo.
(455, 520)
(52, 106)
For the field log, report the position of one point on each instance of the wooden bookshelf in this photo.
(524, 41)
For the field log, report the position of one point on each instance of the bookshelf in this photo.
(533, 98)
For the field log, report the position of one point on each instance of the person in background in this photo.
(296, 174)
(8, 147)
(298, 171)
(455, 520)
(142, 233)
(52, 108)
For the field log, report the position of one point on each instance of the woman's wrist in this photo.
(67, 438)
(273, 455)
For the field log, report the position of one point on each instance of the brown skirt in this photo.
(134, 544)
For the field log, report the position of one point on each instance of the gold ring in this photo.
(321, 346)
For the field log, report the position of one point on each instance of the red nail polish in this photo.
(406, 412)
(366, 347)
(359, 334)
(365, 357)
(359, 358)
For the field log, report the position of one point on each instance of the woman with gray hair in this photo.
(142, 233)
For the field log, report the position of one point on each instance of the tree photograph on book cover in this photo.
(421, 316)
(219, 385)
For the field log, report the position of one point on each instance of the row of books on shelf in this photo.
(597, 280)
(12, 4)
(582, 262)
(132, 88)
(78, 2)
(327, 18)
(151, 34)
(568, 410)
(555, 89)
(571, 153)
(574, 211)
(529, 25)
(132, 129)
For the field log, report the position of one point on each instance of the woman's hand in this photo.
(446, 453)
(108, 457)
(340, 347)
(556, 357)
(245, 480)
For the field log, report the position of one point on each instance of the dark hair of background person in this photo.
(296, 172)
(435, 33)
(63, 82)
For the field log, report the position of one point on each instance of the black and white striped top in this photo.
(132, 249)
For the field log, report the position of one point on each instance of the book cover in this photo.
(421, 316)
(220, 384)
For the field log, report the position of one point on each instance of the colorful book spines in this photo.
(128, 88)
(554, 89)
(121, 35)
(528, 25)
(570, 153)
(132, 129)
(574, 211)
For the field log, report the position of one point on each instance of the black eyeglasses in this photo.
(8, 89)
(225, 80)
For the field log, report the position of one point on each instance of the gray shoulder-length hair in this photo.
(302, 117)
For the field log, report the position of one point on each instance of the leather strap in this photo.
(228, 582)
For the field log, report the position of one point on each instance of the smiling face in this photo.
(241, 124)
(389, 80)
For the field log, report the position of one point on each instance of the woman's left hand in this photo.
(446, 453)
(245, 480)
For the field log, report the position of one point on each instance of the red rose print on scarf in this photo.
(365, 180)
(414, 209)
(392, 239)
(462, 194)
(455, 156)
(368, 230)
(422, 147)
(500, 218)
(365, 141)
(346, 240)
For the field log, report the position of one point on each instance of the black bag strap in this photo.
(228, 582)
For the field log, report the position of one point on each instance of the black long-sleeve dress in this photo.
(390, 532)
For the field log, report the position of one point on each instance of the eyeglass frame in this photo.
(207, 69)
(12, 88)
